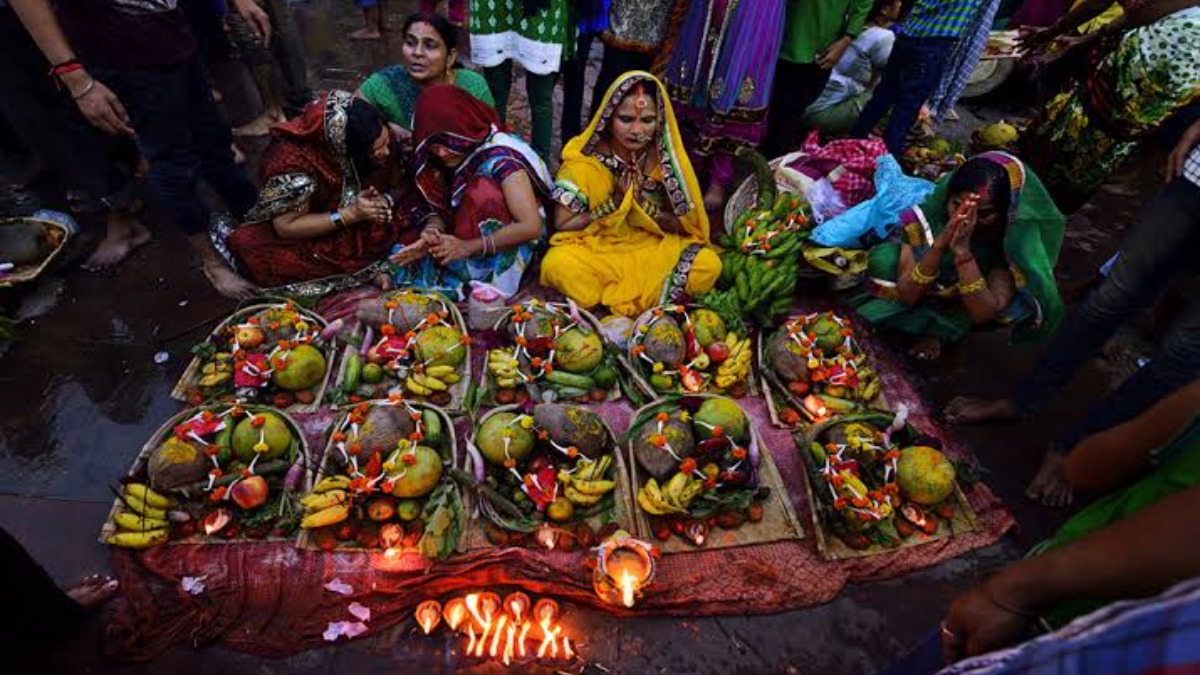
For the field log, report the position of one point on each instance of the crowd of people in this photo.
(414, 179)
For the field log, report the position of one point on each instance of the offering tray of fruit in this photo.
(687, 349)
(553, 352)
(215, 474)
(703, 479)
(413, 343)
(385, 484)
(814, 368)
(876, 485)
(268, 354)
(549, 475)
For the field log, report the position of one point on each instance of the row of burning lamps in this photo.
(501, 629)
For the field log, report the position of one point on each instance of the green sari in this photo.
(393, 92)
(1030, 248)
(1177, 469)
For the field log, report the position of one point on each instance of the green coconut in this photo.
(828, 332)
(303, 368)
(724, 413)
(786, 358)
(441, 346)
(274, 432)
(664, 342)
(709, 327)
(578, 351)
(925, 476)
(572, 425)
(176, 463)
(493, 432)
(419, 479)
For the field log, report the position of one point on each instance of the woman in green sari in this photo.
(428, 57)
(980, 251)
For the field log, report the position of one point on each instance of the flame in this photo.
(454, 613)
(816, 407)
(629, 584)
(508, 644)
(429, 614)
(472, 603)
(545, 537)
(568, 653)
(521, 640)
(518, 604)
(549, 639)
(495, 649)
(391, 553)
(471, 638)
(482, 644)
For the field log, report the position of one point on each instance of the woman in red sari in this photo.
(484, 194)
(326, 217)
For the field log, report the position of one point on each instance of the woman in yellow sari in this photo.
(631, 228)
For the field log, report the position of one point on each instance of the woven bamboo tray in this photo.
(747, 193)
(450, 457)
(779, 523)
(778, 396)
(487, 385)
(457, 391)
(622, 508)
(191, 376)
(58, 234)
(643, 383)
(829, 545)
(139, 464)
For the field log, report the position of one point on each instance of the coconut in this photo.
(176, 463)
(490, 439)
(664, 342)
(925, 476)
(709, 327)
(411, 309)
(571, 425)
(578, 351)
(657, 461)
(418, 479)
(997, 134)
(724, 413)
(382, 428)
(274, 432)
(441, 346)
(786, 358)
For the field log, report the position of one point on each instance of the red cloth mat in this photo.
(268, 598)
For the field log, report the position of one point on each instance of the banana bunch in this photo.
(215, 373)
(869, 385)
(435, 378)
(587, 486)
(674, 496)
(330, 483)
(505, 368)
(145, 521)
(736, 366)
(325, 508)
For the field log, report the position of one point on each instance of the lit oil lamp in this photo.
(428, 615)
(517, 604)
(815, 407)
(624, 567)
(454, 612)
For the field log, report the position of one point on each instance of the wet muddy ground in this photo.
(86, 384)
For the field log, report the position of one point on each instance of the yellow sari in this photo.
(624, 259)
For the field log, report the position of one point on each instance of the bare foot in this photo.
(217, 96)
(239, 157)
(259, 126)
(92, 592)
(927, 348)
(125, 233)
(366, 34)
(1049, 486)
(227, 282)
(714, 198)
(972, 410)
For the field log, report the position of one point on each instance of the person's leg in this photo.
(289, 55)
(920, 81)
(887, 91)
(540, 89)
(801, 84)
(211, 138)
(37, 611)
(499, 81)
(371, 10)
(260, 60)
(574, 76)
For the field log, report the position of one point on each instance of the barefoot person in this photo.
(327, 215)
(1160, 247)
(980, 251)
(484, 198)
(630, 224)
(147, 55)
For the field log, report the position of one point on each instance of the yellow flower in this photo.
(527, 421)
(261, 447)
(658, 367)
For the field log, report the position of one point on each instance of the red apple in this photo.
(718, 352)
(250, 493)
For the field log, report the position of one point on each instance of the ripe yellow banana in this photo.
(138, 506)
(331, 483)
(324, 500)
(415, 387)
(579, 498)
(594, 487)
(132, 522)
(689, 493)
(429, 382)
(138, 539)
(674, 488)
(329, 516)
(150, 497)
(440, 372)
(649, 505)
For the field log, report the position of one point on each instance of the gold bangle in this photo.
(972, 287)
(920, 277)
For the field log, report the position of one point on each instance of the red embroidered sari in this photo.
(307, 162)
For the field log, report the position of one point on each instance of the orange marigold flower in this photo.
(638, 350)
(387, 329)
(390, 304)
(252, 320)
(718, 430)
(510, 463)
(466, 339)
(416, 436)
(543, 435)
(662, 417)
(416, 417)
(246, 473)
(658, 440)
(338, 436)
(547, 368)
(258, 421)
(859, 502)
(535, 362)
(687, 466)
(837, 481)
(710, 483)
(355, 448)
(431, 318)
(274, 325)
(212, 450)
(207, 415)
(839, 503)
(387, 486)
(520, 340)
(658, 311)
(409, 458)
(739, 453)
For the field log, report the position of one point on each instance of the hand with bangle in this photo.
(96, 102)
